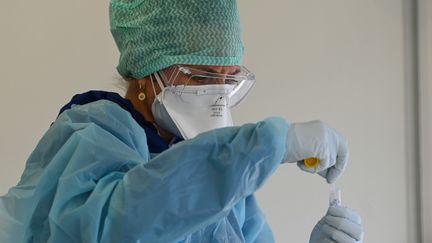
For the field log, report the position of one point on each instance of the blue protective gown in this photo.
(92, 178)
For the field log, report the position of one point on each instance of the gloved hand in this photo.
(339, 225)
(315, 139)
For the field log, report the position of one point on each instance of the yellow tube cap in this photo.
(311, 163)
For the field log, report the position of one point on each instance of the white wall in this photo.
(341, 61)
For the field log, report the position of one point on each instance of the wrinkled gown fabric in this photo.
(92, 178)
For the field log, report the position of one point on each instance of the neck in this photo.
(144, 107)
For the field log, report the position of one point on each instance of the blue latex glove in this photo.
(315, 139)
(339, 225)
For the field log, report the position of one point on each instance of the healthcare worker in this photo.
(165, 163)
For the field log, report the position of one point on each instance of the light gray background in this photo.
(341, 61)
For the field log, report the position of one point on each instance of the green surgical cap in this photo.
(155, 34)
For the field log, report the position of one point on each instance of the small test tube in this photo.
(335, 196)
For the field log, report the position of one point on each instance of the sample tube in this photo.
(335, 196)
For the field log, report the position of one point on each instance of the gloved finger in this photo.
(351, 228)
(327, 164)
(337, 235)
(342, 157)
(333, 174)
(344, 212)
(323, 173)
(327, 240)
(336, 171)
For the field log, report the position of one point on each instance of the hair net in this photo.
(154, 34)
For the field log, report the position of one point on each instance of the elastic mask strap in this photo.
(158, 79)
(152, 82)
(164, 77)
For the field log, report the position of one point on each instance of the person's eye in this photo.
(230, 81)
(200, 80)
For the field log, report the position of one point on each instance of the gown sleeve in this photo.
(92, 180)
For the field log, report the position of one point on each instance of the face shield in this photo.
(184, 79)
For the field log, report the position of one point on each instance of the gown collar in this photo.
(155, 142)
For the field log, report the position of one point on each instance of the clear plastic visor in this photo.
(180, 76)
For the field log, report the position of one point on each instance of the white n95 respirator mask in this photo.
(197, 101)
